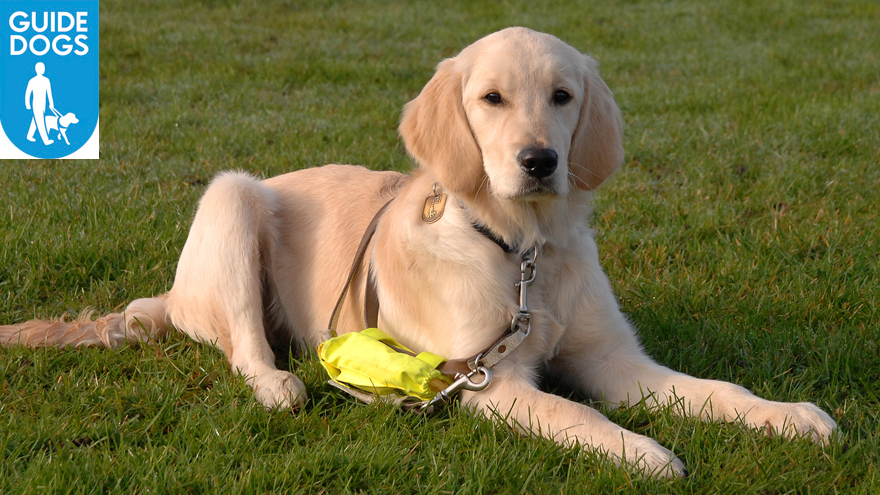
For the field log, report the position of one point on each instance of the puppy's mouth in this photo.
(529, 189)
(538, 189)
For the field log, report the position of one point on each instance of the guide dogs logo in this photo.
(49, 85)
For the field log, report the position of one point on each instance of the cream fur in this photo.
(265, 260)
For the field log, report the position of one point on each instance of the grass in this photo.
(741, 238)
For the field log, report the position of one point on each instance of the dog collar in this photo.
(486, 231)
(435, 206)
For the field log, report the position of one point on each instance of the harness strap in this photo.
(371, 300)
(488, 357)
(358, 258)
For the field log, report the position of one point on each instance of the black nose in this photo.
(538, 162)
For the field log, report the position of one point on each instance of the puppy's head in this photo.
(518, 112)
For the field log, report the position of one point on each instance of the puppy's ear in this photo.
(597, 145)
(436, 132)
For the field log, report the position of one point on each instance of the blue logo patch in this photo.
(49, 86)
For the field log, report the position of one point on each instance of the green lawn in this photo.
(742, 239)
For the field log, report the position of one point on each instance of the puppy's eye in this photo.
(561, 97)
(493, 98)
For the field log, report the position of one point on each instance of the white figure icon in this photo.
(40, 89)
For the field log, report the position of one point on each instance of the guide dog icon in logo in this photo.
(39, 89)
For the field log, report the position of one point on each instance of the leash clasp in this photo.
(463, 382)
(528, 272)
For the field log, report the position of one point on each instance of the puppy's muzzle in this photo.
(538, 162)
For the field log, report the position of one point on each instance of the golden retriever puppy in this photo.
(518, 131)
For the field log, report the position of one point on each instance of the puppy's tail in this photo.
(142, 320)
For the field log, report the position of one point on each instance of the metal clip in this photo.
(521, 321)
(464, 382)
(527, 275)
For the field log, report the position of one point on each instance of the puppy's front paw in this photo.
(651, 457)
(794, 419)
(279, 388)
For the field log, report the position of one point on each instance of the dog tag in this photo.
(434, 207)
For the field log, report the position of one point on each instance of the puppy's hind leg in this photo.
(217, 293)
